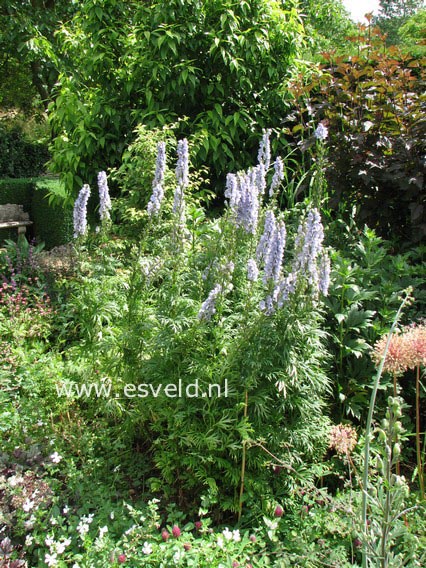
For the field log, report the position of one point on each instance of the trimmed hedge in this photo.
(20, 158)
(52, 224)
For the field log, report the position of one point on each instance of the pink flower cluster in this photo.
(406, 350)
(343, 439)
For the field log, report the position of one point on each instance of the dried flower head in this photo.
(343, 439)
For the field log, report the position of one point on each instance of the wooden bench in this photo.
(13, 215)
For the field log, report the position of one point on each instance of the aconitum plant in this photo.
(80, 212)
(154, 204)
(104, 198)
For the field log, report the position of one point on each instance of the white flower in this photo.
(61, 546)
(66, 510)
(50, 559)
(147, 548)
(177, 556)
(227, 533)
(111, 515)
(55, 457)
(220, 542)
(53, 521)
(28, 540)
(236, 535)
(28, 505)
(75, 565)
(102, 531)
(49, 541)
(15, 480)
(30, 523)
(82, 528)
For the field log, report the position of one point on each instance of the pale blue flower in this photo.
(274, 254)
(80, 211)
(264, 154)
(182, 179)
(208, 307)
(278, 175)
(104, 198)
(324, 274)
(154, 204)
(252, 270)
(321, 132)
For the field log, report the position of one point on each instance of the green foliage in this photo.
(413, 34)
(393, 14)
(373, 104)
(217, 66)
(328, 26)
(29, 70)
(366, 283)
(19, 157)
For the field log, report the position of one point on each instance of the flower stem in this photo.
(369, 427)
(418, 441)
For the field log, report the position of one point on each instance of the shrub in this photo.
(214, 68)
(52, 223)
(184, 306)
(373, 104)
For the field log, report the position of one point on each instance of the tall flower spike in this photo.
(324, 274)
(182, 178)
(232, 192)
(310, 236)
(247, 211)
(104, 198)
(264, 155)
(268, 231)
(252, 270)
(274, 254)
(208, 307)
(154, 204)
(80, 211)
(278, 176)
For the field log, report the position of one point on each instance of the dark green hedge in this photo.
(20, 158)
(18, 191)
(52, 224)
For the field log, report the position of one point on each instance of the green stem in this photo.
(418, 441)
(243, 462)
(369, 426)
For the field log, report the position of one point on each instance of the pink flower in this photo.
(165, 535)
(121, 558)
(176, 531)
(278, 511)
(198, 525)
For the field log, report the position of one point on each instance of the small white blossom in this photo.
(220, 542)
(28, 505)
(147, 548)
(236, 537)
(66, 510)
(103, 531)
(50, 559)
(28, 540)
(227, 533)
(15, 480)
(55, 457)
